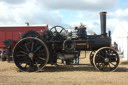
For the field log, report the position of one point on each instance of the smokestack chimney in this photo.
(103, 23)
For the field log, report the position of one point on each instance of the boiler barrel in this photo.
(93, 44)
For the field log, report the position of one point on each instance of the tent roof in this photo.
(121, 30)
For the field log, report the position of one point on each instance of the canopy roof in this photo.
(121, 30)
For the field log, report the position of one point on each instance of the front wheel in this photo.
(106, 59)
(30, 54)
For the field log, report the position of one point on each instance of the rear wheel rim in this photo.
(30, 54)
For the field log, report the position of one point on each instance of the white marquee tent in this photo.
(120, 36)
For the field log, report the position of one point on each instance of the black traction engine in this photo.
(34, 51)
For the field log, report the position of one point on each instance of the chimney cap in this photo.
(103, 13)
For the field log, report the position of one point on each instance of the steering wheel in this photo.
(58, 30)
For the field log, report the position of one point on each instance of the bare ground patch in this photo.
(83, 74)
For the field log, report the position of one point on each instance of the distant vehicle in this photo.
(9, 35)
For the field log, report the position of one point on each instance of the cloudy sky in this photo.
(67, 13)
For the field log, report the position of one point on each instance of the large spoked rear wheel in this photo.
(106, 59)
(30, 54)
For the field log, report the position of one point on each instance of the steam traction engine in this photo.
(33, 52)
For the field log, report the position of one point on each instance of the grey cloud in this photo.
(43, 11)
(28, 13)
(119, 14)
(13, 1)
(79, 4)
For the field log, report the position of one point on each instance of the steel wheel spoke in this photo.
(103, 66)
(109, 52)
(112, 57)
(112, 64)
(37, 65)
(21, 48)
(20, 55)
(101, 57)
(32, 46)
(55, 29)
(61, 30)
(26, 65)
(42, 58)
(26, 47)
(23, 52)
(37, 49)
(109, 66)
(38, 60)
(39, 54)
(102, 53)
(106, 54)
(29, 67)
